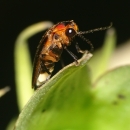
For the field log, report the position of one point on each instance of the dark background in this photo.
(17, 15)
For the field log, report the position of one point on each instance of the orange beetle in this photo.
(51, 46)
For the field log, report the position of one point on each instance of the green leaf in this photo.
(112, 100)
(61, 102)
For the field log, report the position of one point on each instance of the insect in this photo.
(50, 48)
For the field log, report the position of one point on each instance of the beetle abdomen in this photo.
(46, 70)
(47, 64)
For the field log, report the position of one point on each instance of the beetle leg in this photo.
(71, 54)
(62, 62)
(43, 65)
(78, 48)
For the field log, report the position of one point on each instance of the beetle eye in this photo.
(70, 32)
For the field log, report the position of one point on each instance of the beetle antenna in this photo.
(95, 30)
(88, 41)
